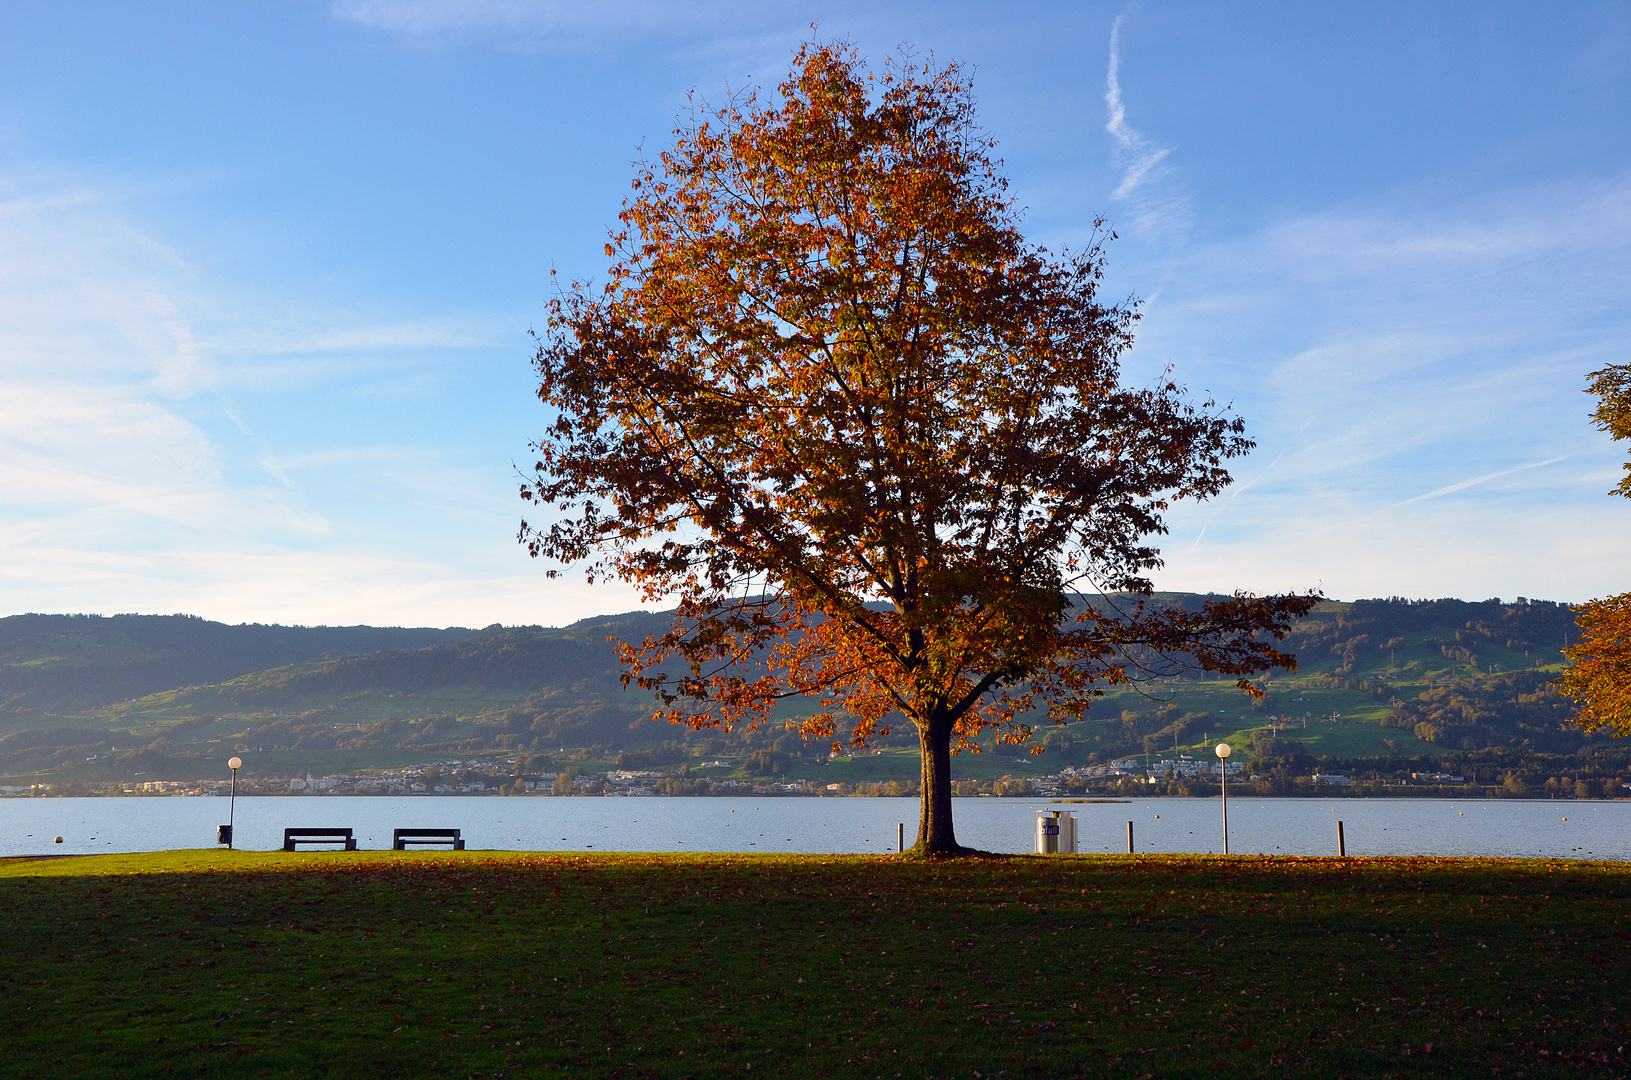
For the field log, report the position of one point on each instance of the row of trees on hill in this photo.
(1519, 709)
(1371, 634)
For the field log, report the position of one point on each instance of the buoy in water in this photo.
(58, 840)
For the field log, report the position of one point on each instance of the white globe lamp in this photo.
(234, 763)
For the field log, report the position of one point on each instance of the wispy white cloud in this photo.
(253, 581)
(1146, 187)
(395, 356)
(1470, 243)
(1235, 491)
(1139, 156)
(70, 265)
(429, 18)
(543, 24)
(1440, 348)
(1462, 485)
(393, 337)
(67, 447)
(102, 366)
(141, 469)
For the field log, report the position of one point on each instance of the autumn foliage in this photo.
(1600, 676)
(1612, 386)
(871, 441)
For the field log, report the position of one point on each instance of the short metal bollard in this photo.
(900, 836)
(1342, 843)
(1130, 850)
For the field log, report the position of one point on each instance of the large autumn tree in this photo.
(1599, 676)
(871, 442)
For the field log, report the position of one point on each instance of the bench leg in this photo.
(398, 846)
(458, 845)
(351, 845)
(288, 845)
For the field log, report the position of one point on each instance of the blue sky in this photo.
(267, 271)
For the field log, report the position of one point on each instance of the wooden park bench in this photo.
(291, 837)
(401, 838)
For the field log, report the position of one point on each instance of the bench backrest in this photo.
(344, 837)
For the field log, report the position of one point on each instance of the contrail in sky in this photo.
(1134, 152)
(1474, 481)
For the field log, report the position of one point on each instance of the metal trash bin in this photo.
(223, 835)
(1055, 832)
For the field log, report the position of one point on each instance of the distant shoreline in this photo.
(1482, 794)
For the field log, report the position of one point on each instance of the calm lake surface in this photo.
(1567, 829)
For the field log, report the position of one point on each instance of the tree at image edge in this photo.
(1599, 675)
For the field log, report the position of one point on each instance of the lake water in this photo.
(1567, 829)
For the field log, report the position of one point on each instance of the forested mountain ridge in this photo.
(530, 687)
(57, 663)
(1381, 679)
(492, 689)
(1461, 675)
(1407, 677)
(1482, 635)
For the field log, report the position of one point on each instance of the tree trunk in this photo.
(934, 828)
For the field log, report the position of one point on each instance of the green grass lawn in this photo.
(506, 964)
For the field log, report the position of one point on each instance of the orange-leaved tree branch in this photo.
(872, 443)
(1599, 675)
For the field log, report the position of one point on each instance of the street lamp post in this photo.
(1223, 786)
(234, 764)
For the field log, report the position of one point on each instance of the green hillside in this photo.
(1447, 673)
(496, 690)
(1381, 684)
(54, 664)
